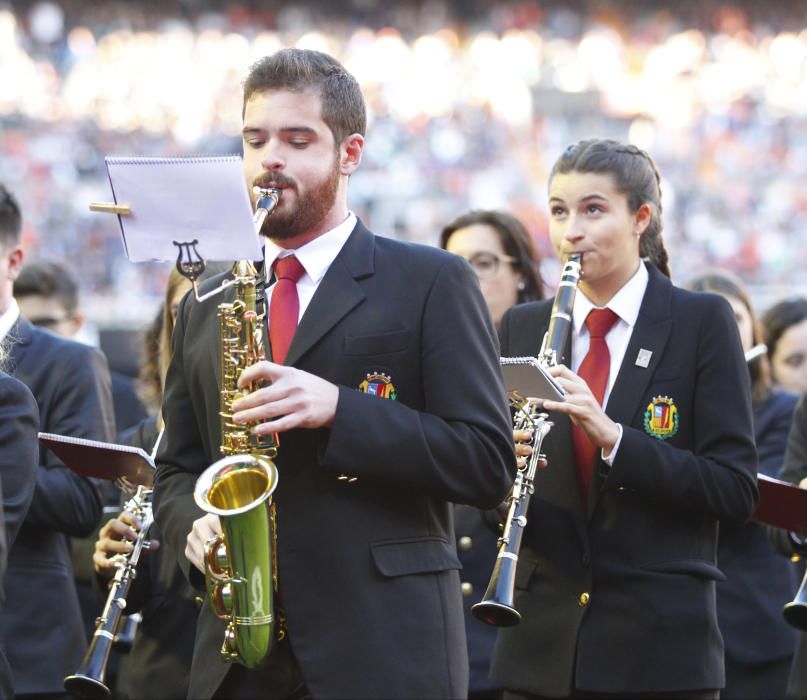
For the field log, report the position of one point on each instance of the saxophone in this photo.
(496, 607)
(241, 563)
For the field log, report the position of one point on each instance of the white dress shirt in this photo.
(9, 318)
(315, 257)
(625, 304)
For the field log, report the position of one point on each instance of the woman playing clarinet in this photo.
(651, 448)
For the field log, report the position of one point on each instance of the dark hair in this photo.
(48, 279)
(298, 70)
(157, 347)
(10, 218)
(729, 285)
(636, 177)
(516, 242)
(781, 316)
(149, 379)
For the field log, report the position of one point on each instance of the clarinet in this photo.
(88, 681)
(496, 607)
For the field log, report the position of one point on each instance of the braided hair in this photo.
(635, 175)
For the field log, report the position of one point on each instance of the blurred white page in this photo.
(201, 198)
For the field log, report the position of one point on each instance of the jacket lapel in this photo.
(337, 294)
(651, 333)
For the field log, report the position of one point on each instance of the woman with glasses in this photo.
(503, 255)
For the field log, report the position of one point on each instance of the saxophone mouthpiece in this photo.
(268, 197)
(267, 201)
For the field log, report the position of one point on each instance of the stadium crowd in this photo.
(466, 107)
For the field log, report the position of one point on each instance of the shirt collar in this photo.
(9, 318)
(625, 303)
(315, 256)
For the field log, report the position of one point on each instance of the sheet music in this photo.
(182, 199)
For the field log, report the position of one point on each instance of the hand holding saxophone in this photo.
(115, 540)
(291, 399)
(583, 408)
(203, 530)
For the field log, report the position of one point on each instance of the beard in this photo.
(306, 215)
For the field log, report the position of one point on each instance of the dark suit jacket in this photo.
(476, 547)
(42, 631)
(368, 570)
(794, 470)
(645, 550)
(19, 422)
(759, 580)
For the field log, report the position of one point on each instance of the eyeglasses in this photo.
(486, 265)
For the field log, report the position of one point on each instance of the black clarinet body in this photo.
(497, 606)
(89, 681)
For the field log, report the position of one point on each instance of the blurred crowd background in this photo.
(470, 103)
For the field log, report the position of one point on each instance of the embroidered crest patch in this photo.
(379, 384)
(661, 418)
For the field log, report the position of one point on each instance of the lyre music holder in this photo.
(189, 211)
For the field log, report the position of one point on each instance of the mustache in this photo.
(267, 180)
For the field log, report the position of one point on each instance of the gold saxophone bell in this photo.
(238, 563)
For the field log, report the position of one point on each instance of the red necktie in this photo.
(284, 307)
(594, 371)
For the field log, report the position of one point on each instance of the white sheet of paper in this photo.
(181, 199)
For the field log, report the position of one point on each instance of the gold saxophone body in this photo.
(241, 563)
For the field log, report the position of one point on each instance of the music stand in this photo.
(187, 210)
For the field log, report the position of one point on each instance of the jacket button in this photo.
(467, 588)
(465, 543)
(584, 598)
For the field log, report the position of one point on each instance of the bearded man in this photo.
(386, 392)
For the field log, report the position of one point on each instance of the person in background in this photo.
(19, 424)
(650, 449)
(503, 255)
(785, 331)
(759, 580)
(156, 668)
(48, 296)
(794, 544)
(43, 631)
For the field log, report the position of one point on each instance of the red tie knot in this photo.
(288, 268)
(600, 321)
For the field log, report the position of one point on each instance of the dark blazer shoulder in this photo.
(416, 256)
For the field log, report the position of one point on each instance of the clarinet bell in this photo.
(795, 611)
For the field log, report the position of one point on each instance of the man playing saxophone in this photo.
(385, 390)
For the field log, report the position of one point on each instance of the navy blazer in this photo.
(19, 423)
(368, 568)
(621, 598)
(759, 580)
(43, 630)
(794, 469)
